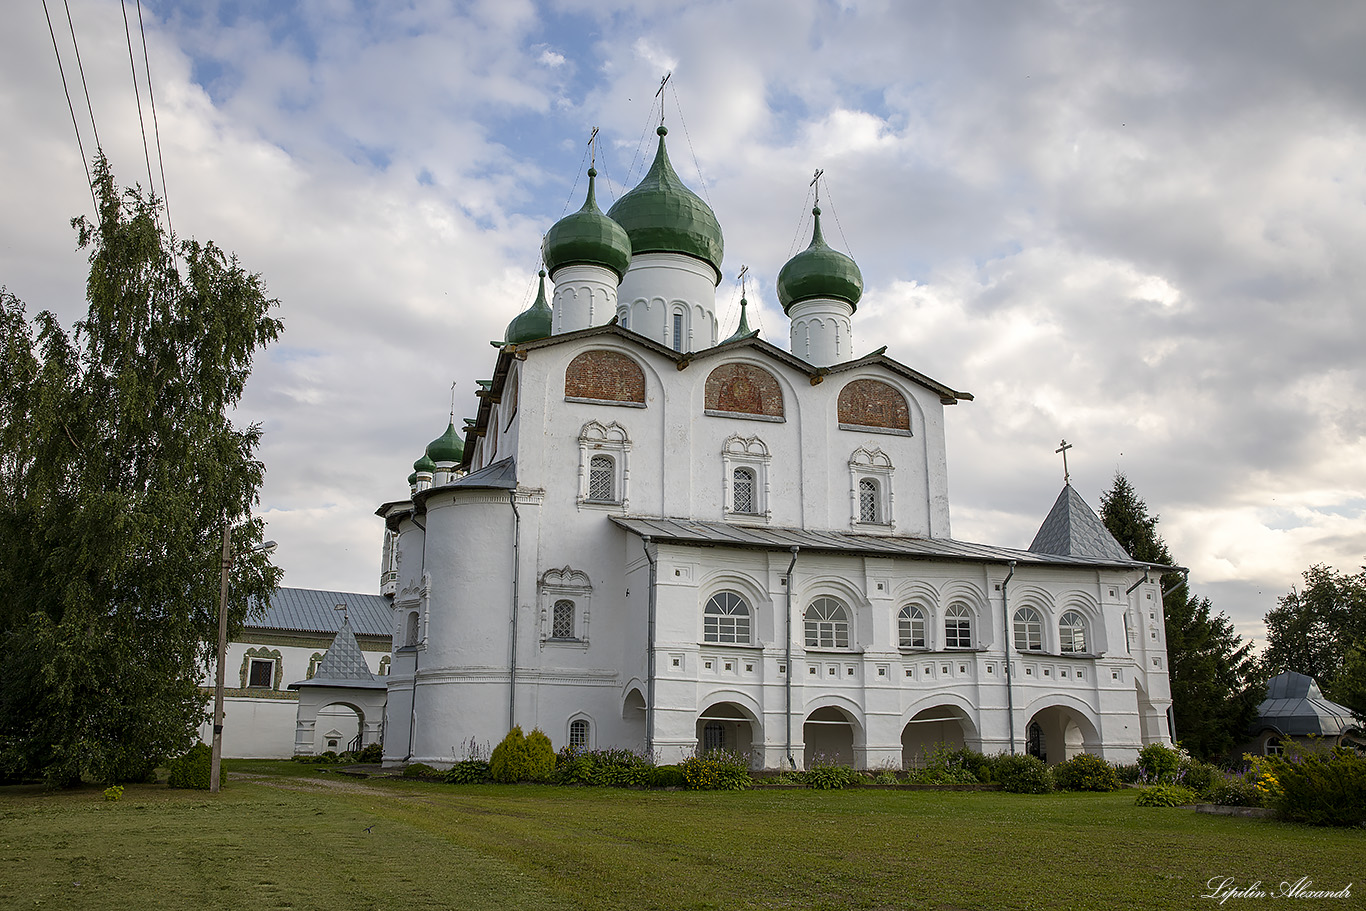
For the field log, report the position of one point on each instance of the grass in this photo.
(282, 839)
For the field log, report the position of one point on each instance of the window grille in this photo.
(601, 479)
(744, 490)
(578, 734)
(868, 510)
(562, 624)
(726, 619)
(827, 624)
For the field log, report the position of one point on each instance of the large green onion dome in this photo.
(661, 215)
(819, 271)
(533, 322)
(587, 237)
(445, 448)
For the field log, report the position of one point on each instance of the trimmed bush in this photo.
(468, 771)
(1165, 795)
(719, 770)
(1322, 788)
(192, 770)
(1085, 772)
(540, 756)
(372, 753)
(510, 763)
(1022, 774)
(668, 776)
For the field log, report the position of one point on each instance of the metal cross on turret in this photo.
(1062, 448)
(342, 608)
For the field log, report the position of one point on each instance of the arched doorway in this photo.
(829, 737)
(1058, 732)
(338, 729)
(940, 727)
(725, 726)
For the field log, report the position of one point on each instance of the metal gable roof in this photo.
(725, 534)
(307, 610)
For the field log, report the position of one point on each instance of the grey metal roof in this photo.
(1295, 706)
(723, 534)
(307, 610)
(502, 473)
(343, 665)
(1072, 529)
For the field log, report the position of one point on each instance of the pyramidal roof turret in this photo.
(661, 215)
(819, 271)
(587, 237)
(1072, 529)
(343, 664)
(533, 322)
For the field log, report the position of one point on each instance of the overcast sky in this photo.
(1139, 226)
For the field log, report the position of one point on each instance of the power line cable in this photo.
(81, 67)
(72, 108)
(156, 128)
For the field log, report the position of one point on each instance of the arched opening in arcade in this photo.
(725, 726)
(829, 734)
(1057, 733)
(338, 729)
(933, 730)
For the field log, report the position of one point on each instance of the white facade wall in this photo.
(585, 295)
(822, 331)
(659, 286)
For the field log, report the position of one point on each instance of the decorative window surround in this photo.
(610, 441)
(750, 453)
(571, 586)
(875, 466)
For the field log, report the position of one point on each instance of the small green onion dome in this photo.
(743, 331)
(661, 215)
(533, 322)
(445, 448)
(819, 271)
(587, 237)
(412, 479)
(423, 464)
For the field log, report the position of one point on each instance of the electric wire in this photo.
(132, 66)
(156, 130)
(81, 68)
(801, 221)
(70, 107)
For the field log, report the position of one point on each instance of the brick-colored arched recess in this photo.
(744, 389)
(605, 376)
(873, 403)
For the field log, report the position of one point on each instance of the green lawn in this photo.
(283, 840)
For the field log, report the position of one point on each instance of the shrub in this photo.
(1165, 795)
(602, 768)
(468, 771)
(828, 775)
(1022, 774)
(718, 770)
(372, 753)
(949, 766)
(193, 769)
(422, 771)
(540, 756)
(668, 776)
(1322, 788)
(886, 776)
(1085, 772)
(510, 763)
(114, 792)
(1128, 773)
(1235, 793)
(1200, 777)
(1158, 763)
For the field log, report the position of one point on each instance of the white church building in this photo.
(658, 538)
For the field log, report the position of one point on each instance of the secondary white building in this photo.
(654, 538)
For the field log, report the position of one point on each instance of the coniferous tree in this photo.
(118, 468)
(1215, 683)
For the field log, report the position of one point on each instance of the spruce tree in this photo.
(119, 465)
(1215, 683)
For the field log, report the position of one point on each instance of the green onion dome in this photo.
(532, 323)
(819, 271)
(445, 448)
(661, 215)
(412, 479)
(423, 464)
(587, 237)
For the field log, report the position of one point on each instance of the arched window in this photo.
(602, 479)
(743, 481)
(562, 624)
(410, 634)
(578, 734)
(958, 627)
(868, 501)
(827, 624)
(911, 626)
(713, 737)
(726, 619)
(1028, 630)
(1072, 632)
(679, 330)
